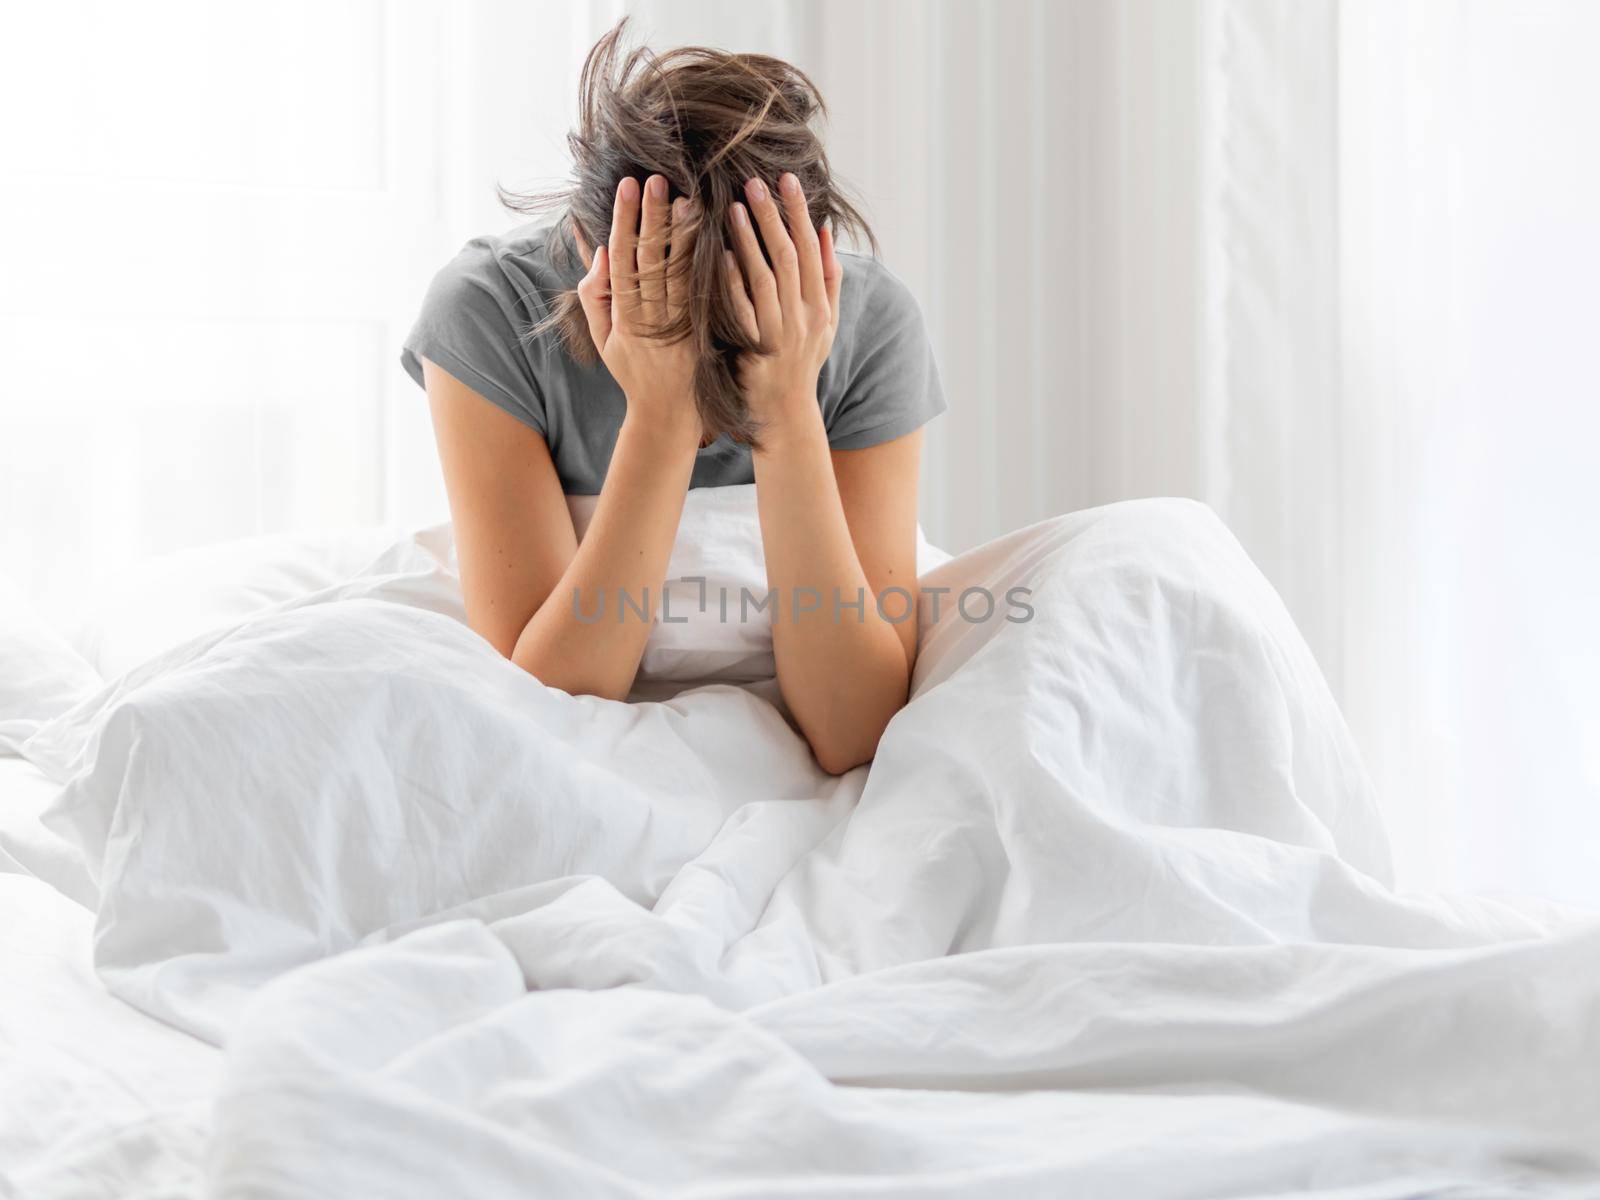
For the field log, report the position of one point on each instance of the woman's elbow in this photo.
(840, 760)
(574, 682)
(843, 749)
(590, 687)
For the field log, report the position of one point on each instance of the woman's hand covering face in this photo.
(788, 300)
(628, 292)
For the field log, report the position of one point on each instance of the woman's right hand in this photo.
(627, 292)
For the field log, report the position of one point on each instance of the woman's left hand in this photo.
(790, 308)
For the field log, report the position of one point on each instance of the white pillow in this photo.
(27, 845)
(41, 675)
(164, 601)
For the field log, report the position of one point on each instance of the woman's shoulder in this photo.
(479, 312)
(869, 276)
(878, 315)
(522, 269)
(880, 381)
(875, 304)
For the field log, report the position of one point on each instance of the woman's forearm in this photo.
(842, 667)
(585, 638)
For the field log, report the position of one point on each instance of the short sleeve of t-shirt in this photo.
(885, 383)
(473, 325)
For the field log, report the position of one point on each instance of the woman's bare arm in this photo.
(521, 565)
(838, 528)
(525, 577)
(844, 666)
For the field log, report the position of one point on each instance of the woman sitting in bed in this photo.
(686, 321)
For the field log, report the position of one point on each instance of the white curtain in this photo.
(1327, 265)
(1470, 227)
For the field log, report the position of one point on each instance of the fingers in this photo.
(594, 293)
(652, 251)
(832, 274)
(813, 289)
(681, 241)
(759, 280)
(780, 249)
(621, 253)
(743, 309)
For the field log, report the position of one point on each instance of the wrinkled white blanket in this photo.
(1109, 914)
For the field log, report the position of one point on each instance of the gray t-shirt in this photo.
(879, 382)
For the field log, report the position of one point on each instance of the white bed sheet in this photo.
(96, 1098)
(99, 1100)
(1009, 1073)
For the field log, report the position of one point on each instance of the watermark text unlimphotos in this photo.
(974, 605)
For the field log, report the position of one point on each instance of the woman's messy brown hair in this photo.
(706, 120)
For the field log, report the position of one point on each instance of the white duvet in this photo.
(1108, 915)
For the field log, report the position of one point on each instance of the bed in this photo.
(308, 893)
